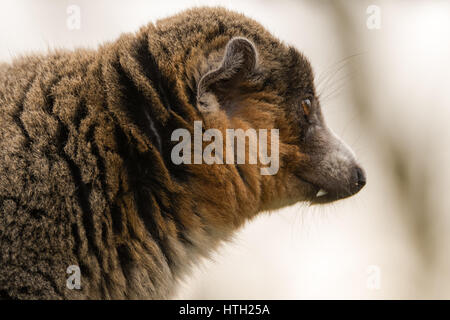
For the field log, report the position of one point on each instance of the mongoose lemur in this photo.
(86, 173)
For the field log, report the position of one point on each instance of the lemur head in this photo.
(258, 82)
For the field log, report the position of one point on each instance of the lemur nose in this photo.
(358, 180)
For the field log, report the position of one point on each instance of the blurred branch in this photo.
(412, 185)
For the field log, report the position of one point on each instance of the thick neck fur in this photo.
(168, 215)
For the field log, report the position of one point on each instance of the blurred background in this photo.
(383, 71)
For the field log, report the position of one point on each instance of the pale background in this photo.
(384, 91)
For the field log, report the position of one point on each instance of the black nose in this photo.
(358, 180)
(361, 177)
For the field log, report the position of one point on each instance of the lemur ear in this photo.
(238, 62)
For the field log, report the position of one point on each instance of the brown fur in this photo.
(84, 180)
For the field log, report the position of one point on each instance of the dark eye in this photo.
(306, 106)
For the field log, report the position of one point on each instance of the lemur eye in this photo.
(306, 106)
